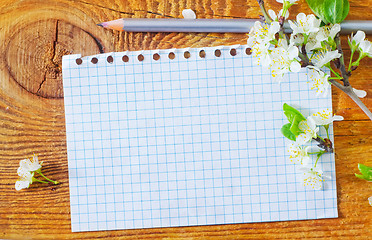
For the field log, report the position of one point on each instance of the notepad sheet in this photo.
(183, 142)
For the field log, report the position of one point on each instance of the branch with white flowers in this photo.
(302, 131)
(318, 35)
(313, 44)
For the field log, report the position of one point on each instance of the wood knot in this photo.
(33, 54)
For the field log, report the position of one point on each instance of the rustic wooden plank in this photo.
(36, 33)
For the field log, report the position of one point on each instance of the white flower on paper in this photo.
(284, 60)
(360, 93)
(30, 165)
(262, 52)
(312, 177)
(305, 24)
(365, 47)
(319, 80)
(325, 117)
(259, 41)
(24, 180)
(309, 131)
(370, 200)
(298, 154)
(323, 57)
(188, 14)
(275, 17)
(355, 40)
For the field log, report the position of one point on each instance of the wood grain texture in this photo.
(34, 34)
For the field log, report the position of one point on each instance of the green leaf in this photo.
(365, 171)
(317, 6)
(287, 132)
(294, 125)
(291, 113)
(336, 10)
(330, 11)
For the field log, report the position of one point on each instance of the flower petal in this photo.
(188, 14)
(21, 185)
(358, 37)
(295, 66)
(303, 138)
(360, 93)
(334, 30)
(272, 14)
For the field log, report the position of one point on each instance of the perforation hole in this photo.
(233, 52)
(171, 55)
(248, 51)
(187, 54)
(125, 58)
(94, 60)
(79, 61)
(217, 53)
(202, 54)
(110, 59)
(141, 58)
(156, 57)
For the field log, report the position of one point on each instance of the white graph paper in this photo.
(183, 142)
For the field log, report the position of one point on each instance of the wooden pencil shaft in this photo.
(219, 25)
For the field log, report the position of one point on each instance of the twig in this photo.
(263, 10)
(346, 88)
(342, 62)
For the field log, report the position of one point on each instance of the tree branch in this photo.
(342, 62)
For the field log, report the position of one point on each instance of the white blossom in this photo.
(325, 117)
(360, 93)
(312, 177)
(30, 165)
(262, 34)
(370, 200)
(24, 180)
(284, 60)
(298, 154)
(319, 80)
(315, 39)
(355, 40)
(365, 47)
(312, 41)
(328, 32)
(324, 56)
(275, 17)
(259, 41)
(188, 14)
(305, 24)
(309, 131)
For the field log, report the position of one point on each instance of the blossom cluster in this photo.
(26, 171)
(283, 53)
(300, 150)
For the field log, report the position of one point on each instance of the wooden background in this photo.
(35, 34)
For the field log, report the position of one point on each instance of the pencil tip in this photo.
(100, 24)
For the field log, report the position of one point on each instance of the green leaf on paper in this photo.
(287, 132)
(365, 171)
(291, 113)
(294, 125)
(330, 11)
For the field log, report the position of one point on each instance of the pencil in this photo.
(209, 25)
